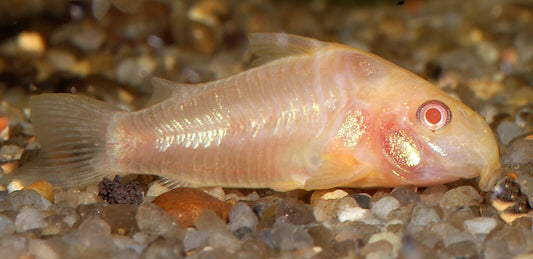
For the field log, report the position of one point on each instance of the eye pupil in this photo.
(433, 115)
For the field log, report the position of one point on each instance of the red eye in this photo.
(434, 115)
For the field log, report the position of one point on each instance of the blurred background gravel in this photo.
(480, 51)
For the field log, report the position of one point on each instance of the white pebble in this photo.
(385, 205)
(337, 194)
(423, 215)
(481, 225)
(352, 214)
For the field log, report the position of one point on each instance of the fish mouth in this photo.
(489, 176)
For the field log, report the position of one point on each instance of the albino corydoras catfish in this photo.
(315, 115)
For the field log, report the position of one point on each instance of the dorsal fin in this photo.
(163, 89)
(267, 47)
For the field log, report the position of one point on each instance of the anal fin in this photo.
(337, 169)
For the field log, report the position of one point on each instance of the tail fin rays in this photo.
(72, 131)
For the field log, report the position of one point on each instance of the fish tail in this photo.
(72, 131)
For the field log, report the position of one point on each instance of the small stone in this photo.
(31, 42)
(518, 240)
(4, 129)
(164, 248)
(391, 238)
(463, 249)
(495, 249)
(481, 225)
(121, 217)
(241, 216)
(43, 249)
(29, 198)
(43, 188)
(363, 200)
(10, 153)
(378, 249)
(28, 218)
(405, 195)
(352, 214)
(294, 211)
(411, 248)
(195, 239)
(355, 230)
(326, 211)
(265, 209)
(460, 196)
(153, 220)
(337, 194)
(186, 205)
(287, 236)
(423, 216)
(433, 194)
(89, 195)
(385, 205)
(224, 240)
(508, 130)
(134, 71)
(326, 195)
(209, 221)
(520, 151)
(7, 225)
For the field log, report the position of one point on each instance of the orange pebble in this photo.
(186, 205)
(4, 121)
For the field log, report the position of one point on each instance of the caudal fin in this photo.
(72, 131)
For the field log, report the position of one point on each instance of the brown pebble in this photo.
(186, 205)
(44, 189)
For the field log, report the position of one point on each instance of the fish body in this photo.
(315, 115)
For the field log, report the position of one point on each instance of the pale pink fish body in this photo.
(319, 115)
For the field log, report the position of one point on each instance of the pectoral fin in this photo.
(337, 169)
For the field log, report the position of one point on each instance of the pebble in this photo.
(352, 214)
(390, 238)
(28, 218)
(4, 129)
(327, 211)
(186, 205)
(29, 198)
(507, 131)
(208, 220)
(385, 205)
(121, 217)
(405, 195)
(30, 41)
(519, 151)
(7, 225)
(431, 196)
(153, 220)
(10, 153)
(481, 225)
(294, 211)
(460, 196)
(43, 188)
(288, 236)
(241, 216)
(423, 215)
(363, 200)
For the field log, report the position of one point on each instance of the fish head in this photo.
(429, 137)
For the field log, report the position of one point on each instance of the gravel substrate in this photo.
(480, 51)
